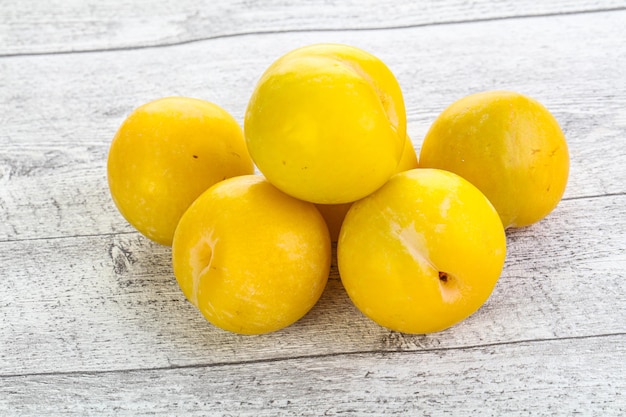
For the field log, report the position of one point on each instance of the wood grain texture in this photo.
(563, 377)
(53, 156)
(66, 26)
(91, 319)
(111, 302)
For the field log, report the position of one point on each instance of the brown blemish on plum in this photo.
(443, 276)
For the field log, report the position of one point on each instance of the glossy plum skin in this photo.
(506, 144)
(421, 253)
(165, 154)
(326, 123)
(251, 258)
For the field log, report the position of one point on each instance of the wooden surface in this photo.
(92, 321)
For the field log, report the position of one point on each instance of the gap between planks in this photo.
(133, 232)
(284, 31)
(320, 356)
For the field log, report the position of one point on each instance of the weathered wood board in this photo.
(92, 321)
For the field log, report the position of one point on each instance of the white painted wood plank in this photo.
(111, 302)
(92, 321)
(60, 112)
(78, 25)
(558, 377)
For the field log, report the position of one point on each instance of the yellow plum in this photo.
(251, 258)
(326, 123)
(506, 144)
(165, 154)
(421, 253)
